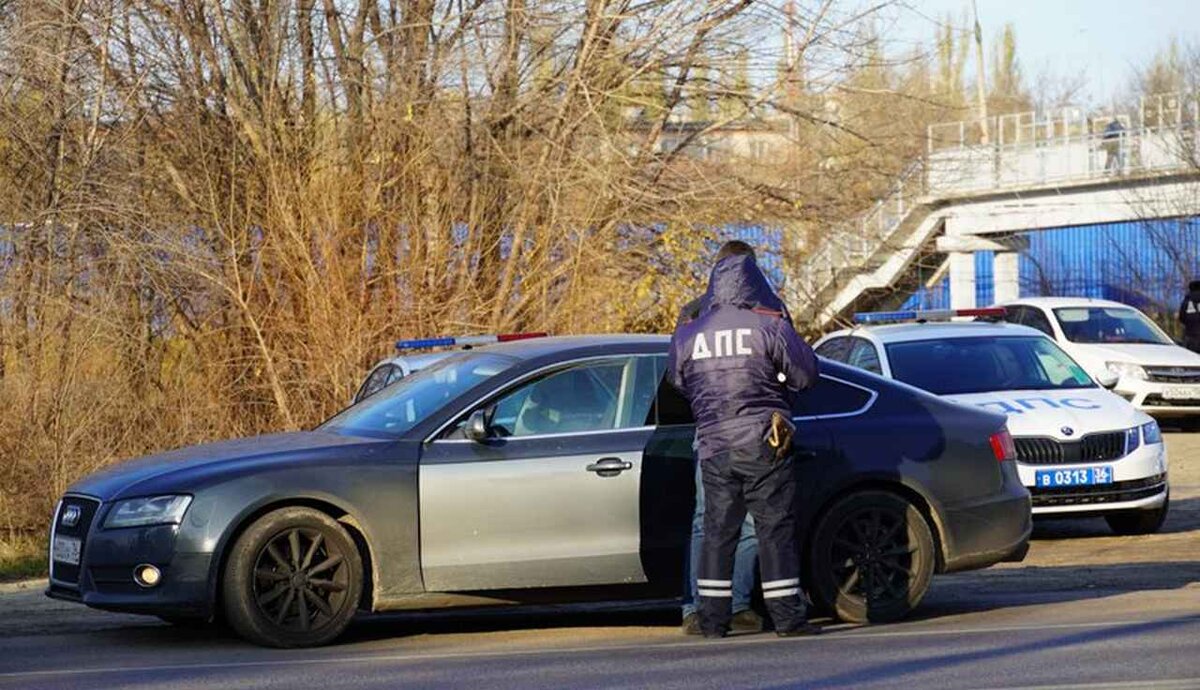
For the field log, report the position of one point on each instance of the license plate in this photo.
(66, 550)
(1085, 476)
(1181, 392)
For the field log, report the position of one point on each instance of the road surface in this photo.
(1085, 610)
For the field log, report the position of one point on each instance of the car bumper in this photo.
(1139, 481)
(982, 533)
(104, 577)
(1160, 399)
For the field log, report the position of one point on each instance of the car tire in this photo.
(871, 558)
(292, 579)
(1133, 522)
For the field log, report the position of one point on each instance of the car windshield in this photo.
(1109, 325)
(956, 366)
(405, 403)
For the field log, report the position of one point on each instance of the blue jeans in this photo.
(745, 558)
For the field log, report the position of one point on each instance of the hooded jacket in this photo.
(1189, 315)
(738, 360)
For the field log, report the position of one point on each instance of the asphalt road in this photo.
(1085, 610)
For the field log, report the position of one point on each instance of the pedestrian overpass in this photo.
(1034, 173)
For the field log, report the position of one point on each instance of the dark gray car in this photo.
(556, 470)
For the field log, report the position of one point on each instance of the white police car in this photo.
(392, 369)
(1081, 450)
(1156, 374)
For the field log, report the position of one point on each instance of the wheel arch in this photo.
(341, 515)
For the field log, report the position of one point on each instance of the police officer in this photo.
(746, 550)
(1189, 316)
(735, 364)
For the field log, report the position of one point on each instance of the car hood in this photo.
(1051, 412)
(1145, 355)
(198, 463)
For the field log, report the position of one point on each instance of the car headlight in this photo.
(1151, 433)
(152, 510)
(1123, 369)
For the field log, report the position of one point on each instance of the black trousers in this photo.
(737, 480)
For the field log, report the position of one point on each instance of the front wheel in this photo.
(1132, 522)
(293, 579)
(872, 558)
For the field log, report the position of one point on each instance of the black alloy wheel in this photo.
(293, 579)
(872, 558)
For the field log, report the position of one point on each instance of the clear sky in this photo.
(1105, 40)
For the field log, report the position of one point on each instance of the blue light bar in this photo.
(465, 340)
(881, 316)
(930, 315)
(424, 342)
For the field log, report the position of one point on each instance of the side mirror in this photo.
(477, 428)
(1108, 380)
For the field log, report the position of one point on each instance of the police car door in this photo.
(551, 499)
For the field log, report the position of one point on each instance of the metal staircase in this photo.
(1029, 152)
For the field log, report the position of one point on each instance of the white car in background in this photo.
(1154, 373)
(1081, 451)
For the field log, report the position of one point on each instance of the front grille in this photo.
(1039, 451)
(1156, 400)
(1116, 492)
(1173, 374)
(1108, 445)
(65, 572)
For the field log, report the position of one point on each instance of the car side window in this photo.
(375, 382)
(835, 349)
(599, 395)
(864, 356)
(1035, 318)
(395, 373)
(1014, 313)
(831, 397)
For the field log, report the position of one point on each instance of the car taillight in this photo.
(1003, 446)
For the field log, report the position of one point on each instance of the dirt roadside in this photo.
(1065, 555)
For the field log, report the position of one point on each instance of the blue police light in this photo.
(424, 342)
(930, 315)
(464, 340)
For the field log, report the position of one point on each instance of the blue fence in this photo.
(1145, 264)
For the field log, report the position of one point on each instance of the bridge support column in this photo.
(1006, 267)
(962, 280)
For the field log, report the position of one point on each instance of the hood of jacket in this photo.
(737, 281)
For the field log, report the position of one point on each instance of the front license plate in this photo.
(1181, 393)
(1085, 476)
(66, 550)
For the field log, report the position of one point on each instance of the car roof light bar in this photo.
(930, 315)
(464, 340)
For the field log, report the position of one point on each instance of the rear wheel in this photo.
(872, 558)
(1131, 522)
(293, 579)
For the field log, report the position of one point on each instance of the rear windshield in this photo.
(404, 404)
(1109, 325)
(956, 366)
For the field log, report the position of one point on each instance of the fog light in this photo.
(147, 575)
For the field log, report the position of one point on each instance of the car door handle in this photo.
(609, 467)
